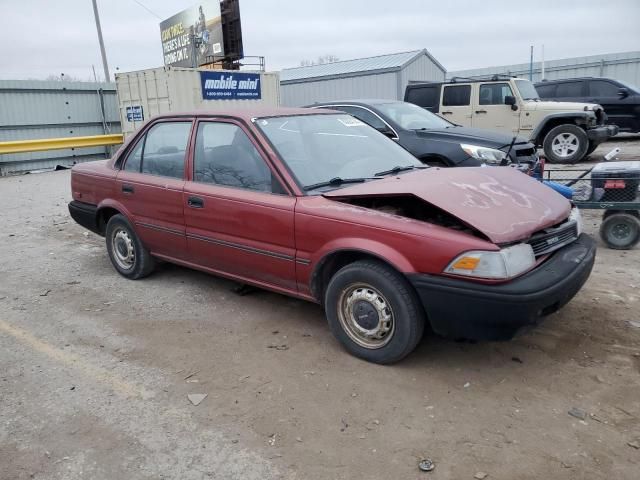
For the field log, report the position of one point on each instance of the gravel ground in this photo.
(95, 371)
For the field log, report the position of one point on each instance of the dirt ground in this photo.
(95, 371)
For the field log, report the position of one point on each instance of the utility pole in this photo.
(530, 64)
(105, 65)
(542, 73)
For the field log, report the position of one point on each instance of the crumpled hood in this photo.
(561, 106)
(502, 203)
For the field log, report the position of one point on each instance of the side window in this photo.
(546, 91)
(164, 149)
(134, 160)
(601, 88)
(366, 116)
(224, 155)
(569, 89)
(456, 95)
(424, 96)
(494, 93)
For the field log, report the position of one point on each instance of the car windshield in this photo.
(335, 149)
(412, 117)
(527, 90)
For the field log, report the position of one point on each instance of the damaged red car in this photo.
(320, 206)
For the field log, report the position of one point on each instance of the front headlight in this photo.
(490, 155)
(506, 263)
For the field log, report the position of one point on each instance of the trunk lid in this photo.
(503, 204)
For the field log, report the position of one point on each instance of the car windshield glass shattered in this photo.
(330, 151)
(412, 117)
(527, 90)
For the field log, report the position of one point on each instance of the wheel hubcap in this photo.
(123, 251)
(366, 316)
(565, 145)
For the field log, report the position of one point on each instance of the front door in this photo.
(456, 104)
(239, 218)
(151, 184)
(619, 110)
(490, 110)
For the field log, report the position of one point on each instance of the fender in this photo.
(381, 251)
(563, 115)
(111, 203)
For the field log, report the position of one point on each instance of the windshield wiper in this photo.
(336, 181)
(398, 169)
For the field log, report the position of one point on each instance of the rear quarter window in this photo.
(546, 91)
(456, 95)
(428, 97)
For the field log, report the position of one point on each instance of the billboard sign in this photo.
(192, 35)
(230, 86)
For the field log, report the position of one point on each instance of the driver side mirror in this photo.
(623, 92)
(511, 100)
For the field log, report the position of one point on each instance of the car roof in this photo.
(244, 113)
(560, 80)
(360, 101)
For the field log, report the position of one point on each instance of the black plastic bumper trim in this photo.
(85, 215)
(463, 309)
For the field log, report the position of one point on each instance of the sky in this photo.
(40, 38)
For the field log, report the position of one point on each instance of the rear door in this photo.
(619, 110)
(456, 104)
(238, 215)
(490, 110)
(151, 183)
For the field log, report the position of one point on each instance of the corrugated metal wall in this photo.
(381, 85)
(33, 109)
(620, 66)
(370, 84)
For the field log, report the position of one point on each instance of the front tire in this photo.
(127, 253)
(374, 312)
(565, 144)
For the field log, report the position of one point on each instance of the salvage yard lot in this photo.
(95, 371)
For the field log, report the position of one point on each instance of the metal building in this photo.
(35, 109)
(623, 66)
(384, 76)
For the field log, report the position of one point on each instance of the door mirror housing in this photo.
(511, 100)
(623, 92)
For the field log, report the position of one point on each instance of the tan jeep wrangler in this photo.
(566, 131)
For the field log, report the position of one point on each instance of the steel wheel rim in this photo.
(620, 234)
(565, 145)
(123, 250)
(359, 298)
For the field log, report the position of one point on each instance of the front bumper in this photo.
(463, 309)
(602, 134)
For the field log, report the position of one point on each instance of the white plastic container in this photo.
(147, 93)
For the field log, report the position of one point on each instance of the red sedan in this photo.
(318, 205)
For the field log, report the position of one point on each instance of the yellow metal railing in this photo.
(20, 146)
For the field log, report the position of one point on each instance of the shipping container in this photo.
(147, 93)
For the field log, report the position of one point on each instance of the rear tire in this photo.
(128, 255)
(620, 231)
(374, 312)
(565, 144)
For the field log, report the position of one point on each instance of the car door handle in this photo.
(195, 202)
(481, 111)
(446, 113)
(127, 189)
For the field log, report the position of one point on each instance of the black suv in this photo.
(436, 141)
(621, 101)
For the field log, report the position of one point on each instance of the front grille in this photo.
(526, 152)
(552, 239)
